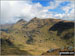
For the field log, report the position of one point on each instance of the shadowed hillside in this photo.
(61, 27)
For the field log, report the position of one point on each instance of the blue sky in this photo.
(46, 3)
(43, 2)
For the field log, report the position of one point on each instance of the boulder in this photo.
(51, 50)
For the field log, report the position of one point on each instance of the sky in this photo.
(12, 11)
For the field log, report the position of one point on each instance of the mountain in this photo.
(40, 35)
(21, 20)
(5, 27)
(38, 23)
(19, 24)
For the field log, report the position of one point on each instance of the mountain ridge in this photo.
(39, 35)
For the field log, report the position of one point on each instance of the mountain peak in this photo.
(35, 18)
(21, 20)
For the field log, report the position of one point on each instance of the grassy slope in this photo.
(7, 48)
(42, 40)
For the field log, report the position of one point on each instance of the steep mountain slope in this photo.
(65, 31)
(39, 35)
(7, 47)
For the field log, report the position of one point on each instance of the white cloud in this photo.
(69, 15)
(10, 9)
(59, 15)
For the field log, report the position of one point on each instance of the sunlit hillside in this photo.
(37, 36)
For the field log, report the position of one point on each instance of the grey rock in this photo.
(70, 48)
(51, 50)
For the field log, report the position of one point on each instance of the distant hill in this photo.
(39, 35)
(5, 26)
